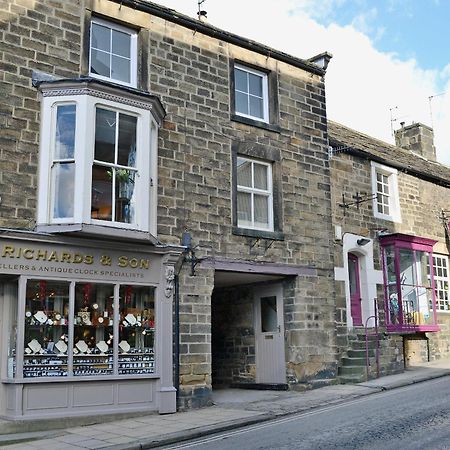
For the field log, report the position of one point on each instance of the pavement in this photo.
(233, 408)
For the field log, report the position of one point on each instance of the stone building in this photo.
(391, 241)
(157, 174)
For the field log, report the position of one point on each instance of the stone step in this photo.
(349, 362)
(358, 345)
(352, 370)
(347, 379)
(360, 353)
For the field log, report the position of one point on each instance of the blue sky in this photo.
(407, 28)
(389, 56)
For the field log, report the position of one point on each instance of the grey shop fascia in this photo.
(87, 326)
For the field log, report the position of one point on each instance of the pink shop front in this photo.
(410, 297)
(86, 326)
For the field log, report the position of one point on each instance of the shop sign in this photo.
(60, 261)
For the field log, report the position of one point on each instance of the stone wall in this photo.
(233, 344)
(35, 35)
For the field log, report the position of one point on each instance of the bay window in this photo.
(98, 156)
(409, 283)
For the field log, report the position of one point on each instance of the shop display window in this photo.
(93, 329)
(79, 329)
(46, 329)
(136, 330)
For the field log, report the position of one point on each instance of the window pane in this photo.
(352, 274)
(261, 210)
(244, 208)
(240, 80)
(423, 268)
(121, 43)
(101, 37)
(105, 135)
(120, 68)
(127, 140)
(125, 201)
(46, 329)
(255, 84)
(100, 63)
(93, 329)
(65, 132)
(260, 176)
(11, 334)
(244, 172)
(241, 103)
(393, 305)
(101, 197)
(136, 330)
(269, 321)
(64, 190)
(256, 107)
(390, 264)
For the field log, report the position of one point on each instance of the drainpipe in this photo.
(176, 355)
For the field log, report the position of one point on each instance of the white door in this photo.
(269, 334)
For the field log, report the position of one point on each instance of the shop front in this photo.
(86, 326)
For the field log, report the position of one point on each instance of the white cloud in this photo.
(362, 84)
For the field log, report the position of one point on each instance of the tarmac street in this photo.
(346, 407)
(413, 417)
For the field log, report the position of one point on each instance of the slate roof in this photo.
(403, 160)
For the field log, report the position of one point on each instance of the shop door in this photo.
(355, 289)
(269, 334)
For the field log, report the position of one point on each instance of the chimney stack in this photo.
(418, 138)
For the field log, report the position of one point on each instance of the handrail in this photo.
(377, 340)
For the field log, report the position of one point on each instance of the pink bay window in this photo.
(410, 299)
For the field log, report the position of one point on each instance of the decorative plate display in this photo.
(61, 346)
(34, 346)
(41, 317)
(124, 346)
(102, 346)
(82, 346)
(130, 319)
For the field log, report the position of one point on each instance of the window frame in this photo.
(268, 193)
(270, 155)
(146, 156)
(133, 51)
(393, 196)
(271, 121)
(441, 279)
(265, 92)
